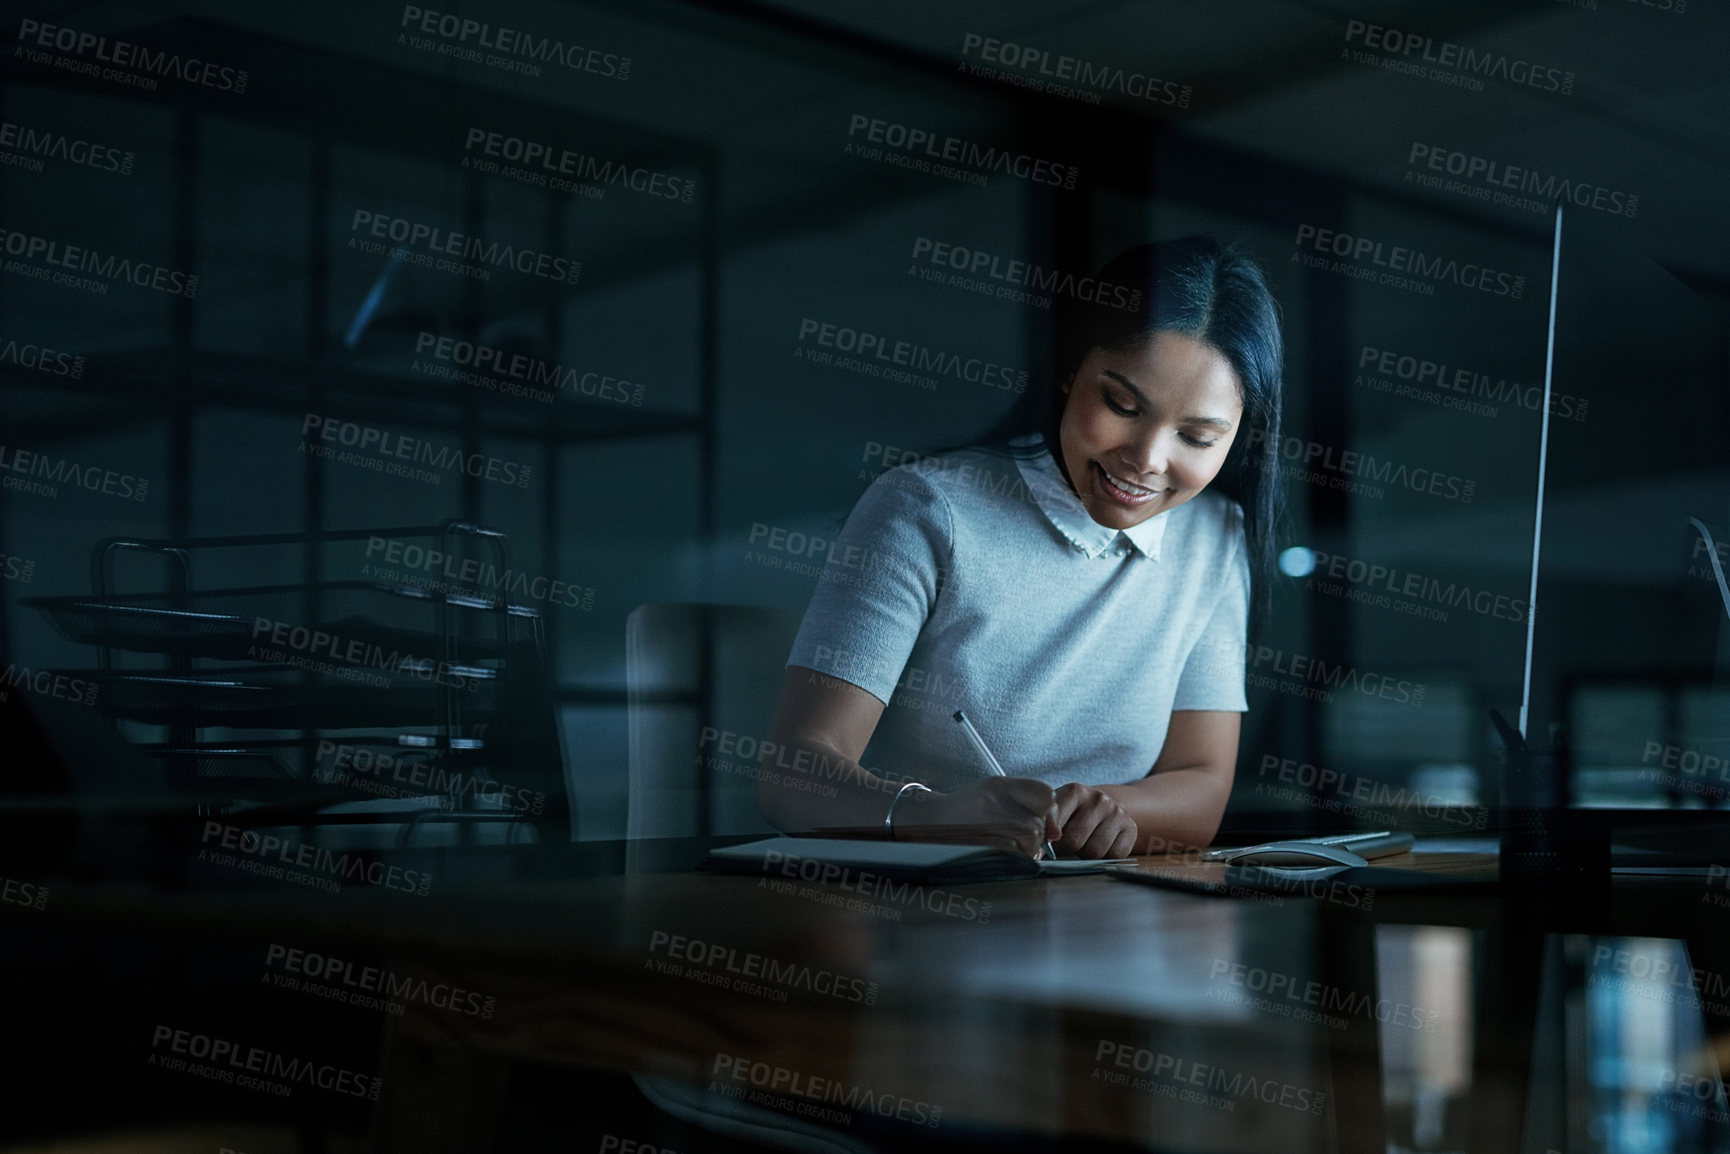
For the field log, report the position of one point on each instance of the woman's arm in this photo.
(1176, 807)
(822, 725)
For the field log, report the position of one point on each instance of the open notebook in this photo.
(819, 859)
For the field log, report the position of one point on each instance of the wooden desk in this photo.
(1075, 1006)
(1078, 1006)
(1081, 1006)
(1032, 1016)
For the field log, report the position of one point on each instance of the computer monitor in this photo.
(1626, 664)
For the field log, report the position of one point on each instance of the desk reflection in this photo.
(687, 1010)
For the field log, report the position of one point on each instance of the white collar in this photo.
(1070, 517)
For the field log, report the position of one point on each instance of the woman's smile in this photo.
(1116, 487)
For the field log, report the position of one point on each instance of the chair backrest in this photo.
(702, 684)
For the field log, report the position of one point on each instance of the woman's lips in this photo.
(1128, 498)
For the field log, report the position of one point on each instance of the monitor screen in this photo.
(1630, 635)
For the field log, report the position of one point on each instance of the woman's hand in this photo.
(1093, 825)
(1008, 812)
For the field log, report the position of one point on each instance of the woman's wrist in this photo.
(899, 803)
(919, 813)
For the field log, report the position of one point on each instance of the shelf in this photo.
(139, 383)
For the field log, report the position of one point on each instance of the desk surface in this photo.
(1081, 1005)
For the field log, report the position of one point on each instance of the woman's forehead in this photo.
(1171, 362)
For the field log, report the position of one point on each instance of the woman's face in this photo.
(1146, 428)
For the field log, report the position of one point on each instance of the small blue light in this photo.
(1297, 561)
(374, 297)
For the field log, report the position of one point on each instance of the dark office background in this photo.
(649, 488)
(694, 449)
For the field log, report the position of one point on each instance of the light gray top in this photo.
(975, 581)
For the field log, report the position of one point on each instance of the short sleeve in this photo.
(1213, 672)
(879, 584)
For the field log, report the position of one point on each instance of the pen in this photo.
(991, 760)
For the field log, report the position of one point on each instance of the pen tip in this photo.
(959, 716)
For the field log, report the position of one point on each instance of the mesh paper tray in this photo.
(234, 624)
(389, 761)
(285, 697)
(353, 768)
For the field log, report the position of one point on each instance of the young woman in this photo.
(1076, 584)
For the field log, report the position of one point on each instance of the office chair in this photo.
(702, 681)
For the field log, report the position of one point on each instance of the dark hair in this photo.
(1218, 295)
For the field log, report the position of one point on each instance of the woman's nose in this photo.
(1149, 454)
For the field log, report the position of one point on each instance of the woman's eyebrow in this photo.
(1214, 422)
(1128, 384)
